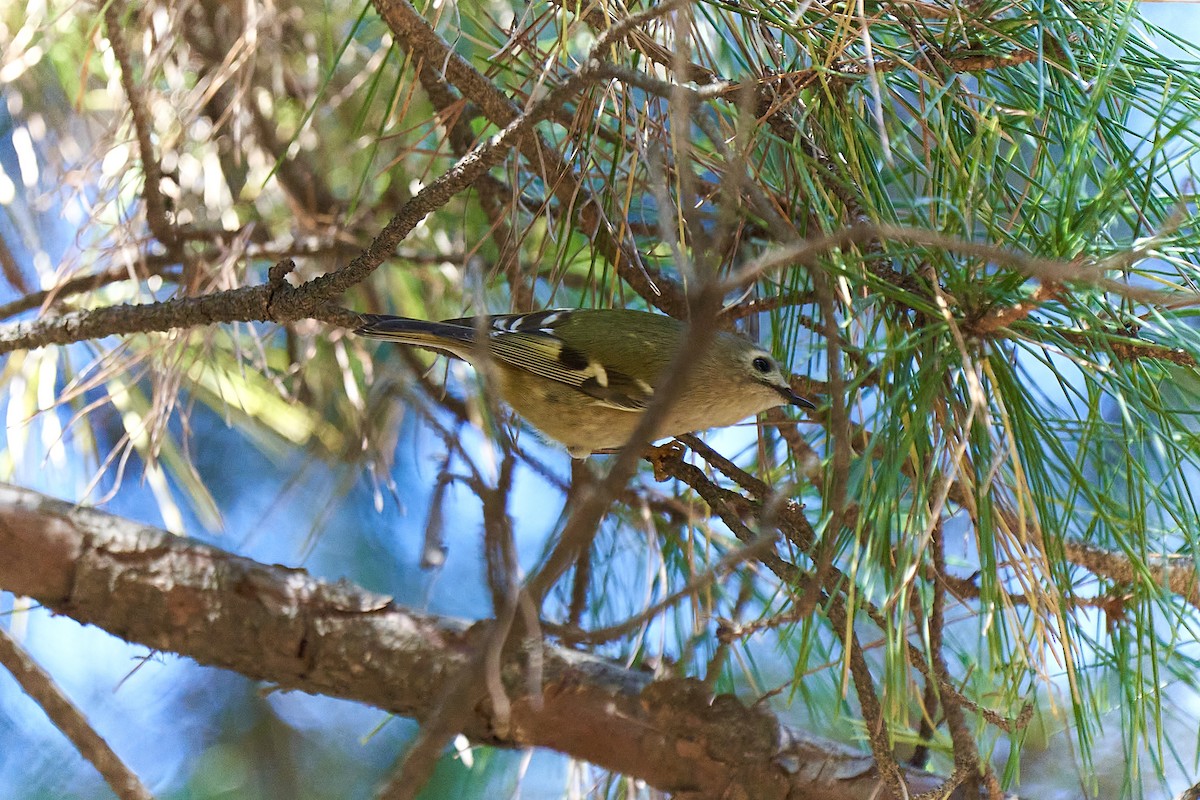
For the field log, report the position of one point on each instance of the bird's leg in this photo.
(658, 456)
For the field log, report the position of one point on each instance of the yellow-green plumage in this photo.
(582, 377)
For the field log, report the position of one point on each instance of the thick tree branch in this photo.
(277, 624)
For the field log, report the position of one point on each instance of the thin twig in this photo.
(967, 762)
(750, 483)
(77, 285)
(1047, 269)
(70, 720)
(1176, 573)
(417, 36)
(751, 551)
(285, 304)
(878, 732)
(156, 207)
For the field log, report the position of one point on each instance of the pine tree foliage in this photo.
(969, 228)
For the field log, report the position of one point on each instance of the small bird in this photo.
(582, 377)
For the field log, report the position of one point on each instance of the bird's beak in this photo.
(793, 398)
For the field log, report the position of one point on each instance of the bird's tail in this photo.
(444, 337)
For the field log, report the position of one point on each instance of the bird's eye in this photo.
(762, 364)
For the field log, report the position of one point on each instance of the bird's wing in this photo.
(545, 355)
(522, 341)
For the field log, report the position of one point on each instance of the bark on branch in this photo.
(280, 625)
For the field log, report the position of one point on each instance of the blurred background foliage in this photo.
(995, 408)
